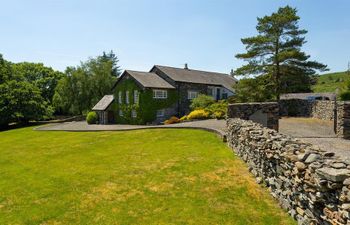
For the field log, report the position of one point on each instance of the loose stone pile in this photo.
(311, 184)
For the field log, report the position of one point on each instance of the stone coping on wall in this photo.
(311, 184)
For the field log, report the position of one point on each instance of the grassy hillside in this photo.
(330, 82)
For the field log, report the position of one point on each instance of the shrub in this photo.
(218, 110)
(183, 118)
(345, 96)
(92, 118)
(172, 120)
(198, 114)
(201, 102)
(219, 115)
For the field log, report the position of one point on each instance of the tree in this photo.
(21, 98)
(112, 58)
(257, 89)
(276, 53)
(44, 78)
(21, 102)
(83, 86)
(5, 70)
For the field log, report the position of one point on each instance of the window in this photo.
(120, 112)
(127, 97)
(210, 91)
(192, 94)
(160, 94)
(160, 113)
(120, 97)
(133, 113)
(136, 97)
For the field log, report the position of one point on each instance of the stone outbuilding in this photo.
(104, 110)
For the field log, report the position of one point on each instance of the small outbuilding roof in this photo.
(198, 76)
(149, 80)
(103, 103)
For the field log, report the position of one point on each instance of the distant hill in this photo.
(330, 82)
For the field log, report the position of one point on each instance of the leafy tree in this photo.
(257, 89)
(5, 70)
(276, 53)
(20, 99)
(44, 78)
(21, 102)
(83, 86)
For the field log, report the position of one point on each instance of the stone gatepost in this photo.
(343, 120)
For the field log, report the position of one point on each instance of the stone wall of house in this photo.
(265, 113)
(321, 109)
(183, 88)
(311, 184)
(343, 120)
(168, 112)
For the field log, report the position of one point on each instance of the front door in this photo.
(218, 93)
(110, 117)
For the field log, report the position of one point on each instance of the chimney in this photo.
(186, 66)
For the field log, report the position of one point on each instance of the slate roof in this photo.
(149, 80)
(198, 76)
(331, 96)
(103, 103)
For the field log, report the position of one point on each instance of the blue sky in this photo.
(203, 33)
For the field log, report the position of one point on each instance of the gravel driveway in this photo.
(213, 125)
(317, 132)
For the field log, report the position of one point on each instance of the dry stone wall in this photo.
(321, 109)
(311, 184)
(265, 113)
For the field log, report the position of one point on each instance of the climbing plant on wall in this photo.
(147, 106)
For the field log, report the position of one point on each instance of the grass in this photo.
(330, 82)
(135, 177)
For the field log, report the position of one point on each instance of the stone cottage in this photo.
(154, 96)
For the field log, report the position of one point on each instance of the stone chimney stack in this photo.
(186, 66)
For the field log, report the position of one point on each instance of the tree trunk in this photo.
(277, 71)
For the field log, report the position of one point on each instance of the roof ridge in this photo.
(137, 71)
(193, 70)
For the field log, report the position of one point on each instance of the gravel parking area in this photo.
(317, 132)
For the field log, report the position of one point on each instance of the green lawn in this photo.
(330, 82)
(134, 177)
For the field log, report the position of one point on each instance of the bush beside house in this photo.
(212, 108)
(92, 118)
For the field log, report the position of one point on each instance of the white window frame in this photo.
(121, 112)
(120, 100)
(160, 113)
(160, 94)
(133, 113)
(136, 97)
(127, 97)
(192, 95)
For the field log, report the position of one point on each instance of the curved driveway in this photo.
(213, 125)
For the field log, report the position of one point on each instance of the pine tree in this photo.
(276, 52)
